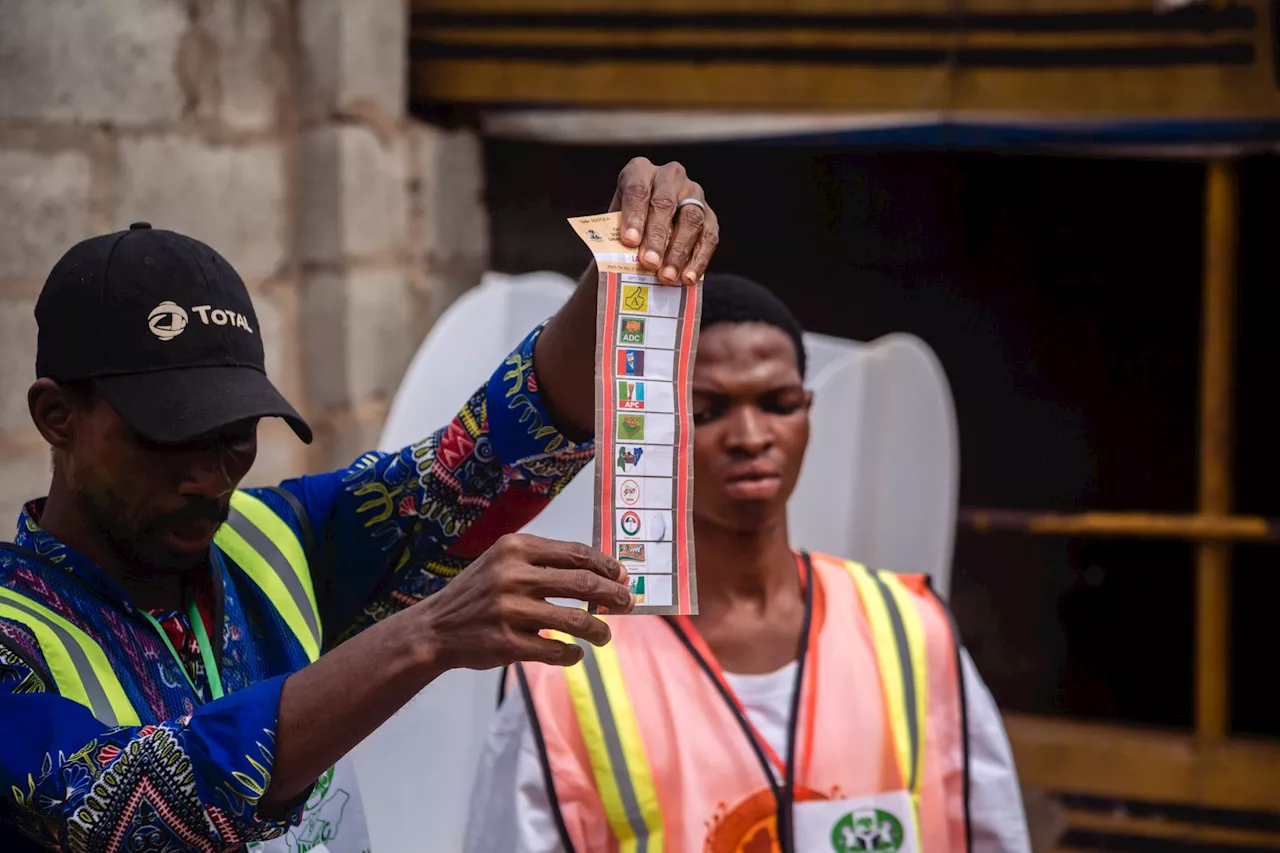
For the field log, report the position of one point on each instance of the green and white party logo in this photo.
(867, 829)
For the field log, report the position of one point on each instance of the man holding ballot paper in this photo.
(180, 659)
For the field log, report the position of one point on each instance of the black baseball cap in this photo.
(163, 327)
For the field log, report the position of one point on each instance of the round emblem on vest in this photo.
(752, 825)
(867, 829)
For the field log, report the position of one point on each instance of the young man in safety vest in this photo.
(161, 684)
(812, 705)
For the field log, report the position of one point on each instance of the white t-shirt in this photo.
(766, 699)
(510, 810)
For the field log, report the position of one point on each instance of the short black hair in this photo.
(729, 298)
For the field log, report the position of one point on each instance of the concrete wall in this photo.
(274, 130)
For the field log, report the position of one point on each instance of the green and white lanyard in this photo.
(202, 642)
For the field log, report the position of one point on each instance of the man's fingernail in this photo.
(669, 273)
(652, 257)
(690, 277)
(631, 235)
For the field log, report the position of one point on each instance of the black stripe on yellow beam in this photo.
(1168, 831)
(1257, 821)
(1151, 56)
(805, 38)
(1199, 18)
(1114, 842)
(1201, 93)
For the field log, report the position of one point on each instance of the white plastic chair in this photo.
(879, 485)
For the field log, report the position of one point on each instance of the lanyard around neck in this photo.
(202, 642)
(784, 792)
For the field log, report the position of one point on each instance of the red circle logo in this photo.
(630, 523)
(752, 825)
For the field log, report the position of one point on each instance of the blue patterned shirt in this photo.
(393, 529)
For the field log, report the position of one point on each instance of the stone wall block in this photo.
(342, 437)
(281, 455)
(44, 209)
(357, 335)
(18, 355)
(354, 56)
(91, 61)
(451, 219)
(24, 476)
(232, 197)
(250, 71)
(277, 309)
(353, 199)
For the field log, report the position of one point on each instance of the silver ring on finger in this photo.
(691, 200)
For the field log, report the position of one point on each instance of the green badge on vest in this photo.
(867, 829)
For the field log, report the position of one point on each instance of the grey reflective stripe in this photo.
(98, 704)
(618, 761)
(279, 563)
(908, 675)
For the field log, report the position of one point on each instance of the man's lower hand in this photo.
(492, 614)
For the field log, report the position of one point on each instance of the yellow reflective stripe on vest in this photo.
(269, 552)
(612, 737)
(899, 640)
(80, 669)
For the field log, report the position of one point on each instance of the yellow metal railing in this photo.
(1207, 770)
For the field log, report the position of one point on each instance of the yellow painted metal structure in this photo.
(1227, 791)
(1094, 59)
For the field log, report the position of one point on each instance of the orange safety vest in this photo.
(643, 749)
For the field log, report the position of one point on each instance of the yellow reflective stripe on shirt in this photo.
(80, 668)
(899, 641)
(612, 737)
(268, 551)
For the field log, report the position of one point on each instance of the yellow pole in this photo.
(1213, 559)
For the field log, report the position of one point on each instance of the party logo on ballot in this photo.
(631, 427)
(632, 331)
(631, 362)
(630, 395)
(636, 299)
(630, 523)
(629, 456)
(630, 552)
(629, 492)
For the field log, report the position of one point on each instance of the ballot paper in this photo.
(646, 336)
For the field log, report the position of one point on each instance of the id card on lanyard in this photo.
(880, 822)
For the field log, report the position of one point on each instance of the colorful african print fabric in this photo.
(391, 530)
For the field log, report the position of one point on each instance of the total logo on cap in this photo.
(169, 319)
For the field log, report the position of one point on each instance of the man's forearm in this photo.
(491, 615)
(564, 359)
(329, 707)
